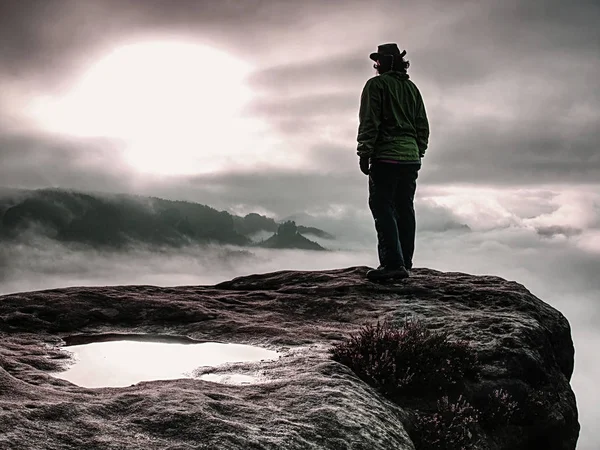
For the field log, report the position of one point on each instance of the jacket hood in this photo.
(397, 75)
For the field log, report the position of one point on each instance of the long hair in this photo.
(392, 62)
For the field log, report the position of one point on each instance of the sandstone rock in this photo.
(306, 401)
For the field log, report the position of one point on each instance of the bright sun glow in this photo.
(175, 106)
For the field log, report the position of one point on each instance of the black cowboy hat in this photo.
(387, 49)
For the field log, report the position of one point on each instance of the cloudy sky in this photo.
(252, 106)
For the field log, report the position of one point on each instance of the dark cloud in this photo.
(556, 230)
(540, 149)
(30, 161)
(298, 106)
(44, 39)
(323, 72)
(306, 117)
(297, 191)
(435, 218)
(549, 24)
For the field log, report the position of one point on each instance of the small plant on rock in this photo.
(499, 409)
(451, 427)
(410, 360)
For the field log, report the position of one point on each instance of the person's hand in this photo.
(363, 162)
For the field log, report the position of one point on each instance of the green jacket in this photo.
(392, 119)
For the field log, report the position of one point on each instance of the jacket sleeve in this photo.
(422, 126)
(369, 117)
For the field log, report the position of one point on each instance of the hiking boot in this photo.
(383, 273)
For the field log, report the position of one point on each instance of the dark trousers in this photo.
(391, 200)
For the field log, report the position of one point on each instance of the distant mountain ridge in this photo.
(117, 220)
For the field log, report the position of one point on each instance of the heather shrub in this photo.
(532, 405)
(451, 427)
(408, 360)
(498, 410)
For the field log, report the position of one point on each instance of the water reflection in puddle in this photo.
(123, 363)
(234, 378)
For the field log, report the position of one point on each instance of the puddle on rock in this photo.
(119, 363)
(235, 378)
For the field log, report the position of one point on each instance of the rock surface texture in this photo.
(305, 400)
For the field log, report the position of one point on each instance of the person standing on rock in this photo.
(393, 135)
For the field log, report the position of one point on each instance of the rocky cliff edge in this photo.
(304, 399)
